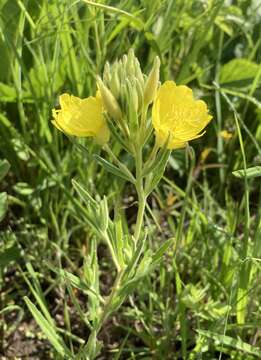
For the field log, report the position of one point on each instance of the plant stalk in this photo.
(141, 194)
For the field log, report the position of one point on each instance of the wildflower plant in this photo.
(147, 121)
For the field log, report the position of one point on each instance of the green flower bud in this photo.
(109, 102)
(118, 70)
(132, 99)
(130, 68)
(124, 60)
(139, 92)
(135, 99)
(115, 84)
(138, 73)
(152, 83)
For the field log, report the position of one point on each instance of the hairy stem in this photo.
(108, 306)
(141, 194)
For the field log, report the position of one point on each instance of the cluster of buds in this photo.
(126, 93)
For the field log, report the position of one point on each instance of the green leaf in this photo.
(90, 213)
(161, 251)
(230, 342)
(84, 194)
(8, 255)
(49, 330)
(7, 93)
(133, 18)
(4, 168)
(112, 168)
(114, 132)
(3, 205)
(91, 350)
(75, 281)
(158, 170)
(252, 172)
(238, 72)
(23, 188)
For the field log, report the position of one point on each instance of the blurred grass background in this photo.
(203, 302)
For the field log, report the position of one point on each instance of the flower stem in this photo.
(107, 309)
(109, 305)
(141, 194)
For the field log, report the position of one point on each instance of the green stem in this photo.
(141, 194)
(141, 209)
(107, 306)
(107, 309)
(114, 258)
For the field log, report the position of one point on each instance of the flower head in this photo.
(81, 117)
(177, 116)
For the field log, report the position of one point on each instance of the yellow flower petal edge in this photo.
(81, 117)
(178, 116)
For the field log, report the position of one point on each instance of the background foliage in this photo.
(203, 301)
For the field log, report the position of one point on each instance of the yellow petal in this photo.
(81, 117)
(177, 114)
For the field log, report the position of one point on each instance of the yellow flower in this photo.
(177, 116)
(81, 117)
(226, 135)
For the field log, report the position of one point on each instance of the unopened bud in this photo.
(120, 71)
(124, 60)
(115, 84)
(152, 83)
(132, 107)
(139, 92)
(109, 102)
(138, 72)
(132, 98)
(130, 63)
(135, 99)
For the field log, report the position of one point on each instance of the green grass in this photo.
(203, 300)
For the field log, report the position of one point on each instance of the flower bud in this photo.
(115, 84)
(139, 92)
(130, 63)
(138, 72)
(124, 60)
(109, 102)
(135, 99)
(152, 83)
(132, 99)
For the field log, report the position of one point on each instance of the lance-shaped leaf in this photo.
(49, 330)
(157, 170)
(230, 342)
(251, 172)
(4, 167)
(3, 205)
(113, 169)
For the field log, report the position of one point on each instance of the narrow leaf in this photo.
(4, 167)
(3, 205)
(112, 168)
(230, 342)
(48, 330)
(86, 197)
(252, 172)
